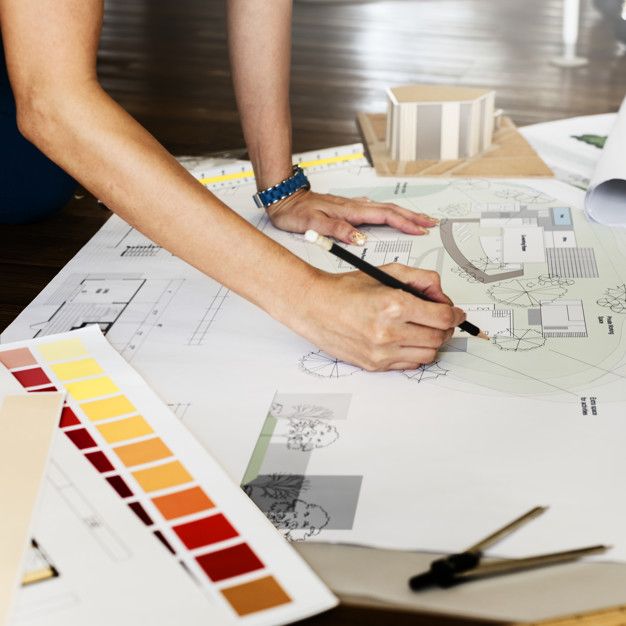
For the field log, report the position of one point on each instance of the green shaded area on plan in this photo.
(593, 140)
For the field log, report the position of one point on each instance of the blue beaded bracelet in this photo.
(282, 190)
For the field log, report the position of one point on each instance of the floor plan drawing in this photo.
(519, 256)
(324, 365)
(281, 478)
(614, 298)
(528, 267)
(125, 307)
(134, 244)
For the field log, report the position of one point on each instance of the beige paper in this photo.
(27, 426)
(509, 156)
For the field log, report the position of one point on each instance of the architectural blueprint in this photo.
(330, 452)
(571, 147)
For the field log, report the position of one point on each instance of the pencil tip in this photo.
(483, 335)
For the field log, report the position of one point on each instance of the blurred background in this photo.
(166, 62)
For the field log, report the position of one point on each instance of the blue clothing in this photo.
(31, 186)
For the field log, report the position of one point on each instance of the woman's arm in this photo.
(259, 34)
(51, 48)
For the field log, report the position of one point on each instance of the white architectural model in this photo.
(429, 122)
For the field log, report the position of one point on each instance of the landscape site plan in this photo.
(330, 452)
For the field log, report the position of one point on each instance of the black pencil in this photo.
(382, 277)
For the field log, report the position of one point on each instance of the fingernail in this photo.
(423, 231)
(358, 238)
(434, 220)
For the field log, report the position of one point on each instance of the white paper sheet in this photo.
(482, 435)
(606, 197)
(219, 541)
(572, 146)
(106, 568)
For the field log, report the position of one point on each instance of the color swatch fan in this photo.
(161, 475)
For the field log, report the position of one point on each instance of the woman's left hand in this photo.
(337, 217)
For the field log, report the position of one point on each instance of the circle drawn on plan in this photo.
(429, 371)
(555, 281)
(471, 184)
(520, 340)
(323, 365)
(524, 195)
(463, 273)
(525, 293)
(614, 298)
(457, 209)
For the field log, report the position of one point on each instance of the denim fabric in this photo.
(31, 186)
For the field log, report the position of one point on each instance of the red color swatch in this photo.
(206, 531)
(81, 438)
(229, 562)
(159, 535)
(140, 512)
(68, 418)
(100, 461)
(20, 357)
(117, 482)
(32, 377)
(50, 388)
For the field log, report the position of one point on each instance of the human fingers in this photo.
(412, 358)
(408, 308)
(363, 203)
(420, 219)
(413, 335)
(404, 359)
(362, 211)
(426, 281)
(392, 332)
(334, 227)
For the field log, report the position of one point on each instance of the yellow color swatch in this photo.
(129, 428)
(76, 369)
(104, 409)
(62, 350)
(143, 452)
(162, 476)
(92, 388)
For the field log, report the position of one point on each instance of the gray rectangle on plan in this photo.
(281, 459)
(456, 344)
(572, 262)
(311, 405)
(534, 317)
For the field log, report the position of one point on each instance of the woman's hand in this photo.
(337, 217)
(358, 320)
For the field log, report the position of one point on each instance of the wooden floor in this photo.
(166, 63)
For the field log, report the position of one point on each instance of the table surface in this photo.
(167, 64)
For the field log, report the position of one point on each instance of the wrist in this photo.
(270, 176)
(296, 181)
(303, 289)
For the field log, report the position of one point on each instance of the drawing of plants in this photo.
(298, 520)
(308, 434)
(276, 486)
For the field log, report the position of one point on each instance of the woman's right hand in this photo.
(358, 320)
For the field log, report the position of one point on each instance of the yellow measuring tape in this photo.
(305, 165)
